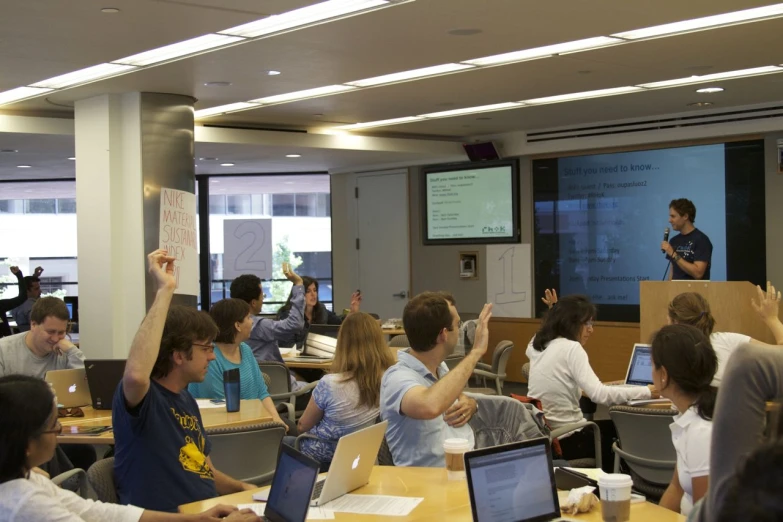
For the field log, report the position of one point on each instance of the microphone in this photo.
(665, 237)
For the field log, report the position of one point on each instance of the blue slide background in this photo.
(613, 209)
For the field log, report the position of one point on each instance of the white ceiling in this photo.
(45, 38)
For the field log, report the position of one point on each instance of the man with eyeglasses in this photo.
(161, 447)
(420, 397)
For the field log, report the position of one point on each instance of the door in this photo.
(384, 260)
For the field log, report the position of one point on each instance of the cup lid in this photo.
(615, 480)
(456, 444)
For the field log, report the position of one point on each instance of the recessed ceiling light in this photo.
(700, 104)
(273, 73)
(227, 164)
(179, 49)
(8, 151)
(710, 90)
(301, 95)
(89, 74)
(293, 155)
(208, 159)
(72, 158)
(380, 123)
(464, 32)
(23, 166)
(546, 51)
(581, 95)
(217, 84)
(411, 75)
(744, 73)
(20, 93)
(110, 10)
(472, 110)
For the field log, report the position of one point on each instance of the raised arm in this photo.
(10, 304)
(282, 330)
(768, 306)
(146, 343)
(421, 402)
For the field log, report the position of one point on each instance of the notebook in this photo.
(292, 486)
(70, 386)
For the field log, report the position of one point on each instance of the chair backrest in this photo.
(247, 453)
(453, 360)
(500, 357)
(399, 341)
(645, 433)
(101, 479)
(278, 376)
(526, 371)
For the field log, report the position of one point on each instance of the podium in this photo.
(730, 304)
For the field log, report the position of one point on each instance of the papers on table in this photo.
(207, 403)
(374, 505)
(261, 496)
(313, 513)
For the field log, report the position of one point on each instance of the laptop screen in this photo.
(513, 485)
(292, 486)
(640, 369)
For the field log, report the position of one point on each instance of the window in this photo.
(66, 206)
(40, 206)
(283, 204)
(239, 204)
(306, 204)
(217, 205)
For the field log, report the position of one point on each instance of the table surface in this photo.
(315, 364)
(393, 331)
(250, 412)
(443, 499)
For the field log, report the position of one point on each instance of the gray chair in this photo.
(496, 371)
(100, 476)
(276, 377)
(526, 371)
(247, 453)
(453, 360)
(645, 444)
(74, 480)
(399, 341)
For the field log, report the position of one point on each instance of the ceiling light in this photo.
(208, 159)
(744, 73)
(72, 159)
(179, 49)
(710, 90)
(20, 93)
(8, 151)
(380, 123)
(707, 22)
(293, 155)
(217, 84)
(581, 95)
(301, 95)
(227, 164)
(96, 72)
(273, 73)
(473, 110)
(700, 104)
(410, 75)
(223, 109)
(546, 51)
(110, 10)
(23, 167)
(311, 14)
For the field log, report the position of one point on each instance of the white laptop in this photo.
(640, 366)
(318, 346)
(70, 386)
(352, 464)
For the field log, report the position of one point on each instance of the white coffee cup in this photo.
(615, 489)
(454, 450)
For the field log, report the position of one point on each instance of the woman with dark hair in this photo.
(684, 364)
(234, 320)
(28, 438)
(694, 309)
(314, 311)
(560, 372)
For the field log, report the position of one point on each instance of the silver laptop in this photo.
(317, 346)
(352, 464)
(70, 386)
(640, 366)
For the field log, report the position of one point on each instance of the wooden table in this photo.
(313, 364)
(250, 412)
(391, 332)
(443, 499)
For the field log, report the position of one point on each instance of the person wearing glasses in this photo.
(161, 447)
(560, 372)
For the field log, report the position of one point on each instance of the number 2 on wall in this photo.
(245, 260)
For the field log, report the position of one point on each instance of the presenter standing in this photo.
(690, 251)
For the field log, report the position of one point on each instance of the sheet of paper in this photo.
(206, 403)
(313, 513)
(257, 507)
(261, 496)
(374, 505)
(509, 280)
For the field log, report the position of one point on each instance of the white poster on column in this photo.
(178, 236)
(247, 248)
(508, 280)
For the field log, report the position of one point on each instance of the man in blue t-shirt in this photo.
(161, 448)
(690, 251)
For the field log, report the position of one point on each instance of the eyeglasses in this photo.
(57, 430)
(206, 347)
(589, 324)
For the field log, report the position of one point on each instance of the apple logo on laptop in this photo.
(356, 462)
(72, 388)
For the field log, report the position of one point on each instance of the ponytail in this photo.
(705, 403)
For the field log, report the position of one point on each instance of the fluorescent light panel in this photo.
(582, 95)
(473, 110)
(546, 51)
(380, 123)
(223, 109)
(410, 75)
(96, 72)
(304, 16)
(177, 50)
(20, 93)
(707, 22)
(744, 73)
(301, 95)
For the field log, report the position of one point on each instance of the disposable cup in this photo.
(615, 490)
(454, 450)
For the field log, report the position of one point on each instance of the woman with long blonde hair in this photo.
(347, 399)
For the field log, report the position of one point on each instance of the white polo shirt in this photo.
(691, 436)
(724, 344)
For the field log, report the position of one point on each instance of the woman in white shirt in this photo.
(684, 365)
(28, 437)
(693, 309)
(560, 371)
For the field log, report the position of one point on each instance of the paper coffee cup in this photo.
(454, 450)
(615, 490)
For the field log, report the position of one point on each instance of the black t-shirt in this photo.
(695, 246)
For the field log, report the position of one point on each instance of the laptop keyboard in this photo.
(319, 486)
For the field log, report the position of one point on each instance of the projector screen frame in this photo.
(516, 236)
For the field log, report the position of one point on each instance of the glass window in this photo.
(324, 207)
(217, 204)
(239, 204)
(66, 206)
(41, 206)
(11, 206)
(283, 205)
(261, 204)
(306, 204)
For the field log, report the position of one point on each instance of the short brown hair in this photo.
(425, 316)
(184, 326)
(226, 313)
(693, 309)
(49, 306)
(684, 206)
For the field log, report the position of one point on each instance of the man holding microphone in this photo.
(690, 251)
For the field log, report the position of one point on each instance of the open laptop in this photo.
(513, 483)
(640, 366)
(329, 330)
(352, 463)
(70, 386)
(292, 486)
(103, 375)
(317, 346)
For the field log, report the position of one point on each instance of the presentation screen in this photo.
(471, 203)
(600, 219)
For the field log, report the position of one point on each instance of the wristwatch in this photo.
(676, 257)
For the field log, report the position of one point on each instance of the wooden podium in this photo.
(730, 303)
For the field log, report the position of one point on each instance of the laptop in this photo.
(104, 375)
(317, 346)
(351, 465)
(513, 483)
(329, 330)
(640, 367)
(292, 486)
(70, 386)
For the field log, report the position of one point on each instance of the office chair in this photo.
(279, 385)
(74, 480)
(399, 341)
(496, 371)
(100, 476)
(247, 453)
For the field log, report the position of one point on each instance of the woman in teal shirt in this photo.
(234, 320)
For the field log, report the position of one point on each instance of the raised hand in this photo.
(356, 301)
(550, 297)
(161, 266)
(768, 304)
(482, 331)
(38, 271)
(14, 270)
(292, 276)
